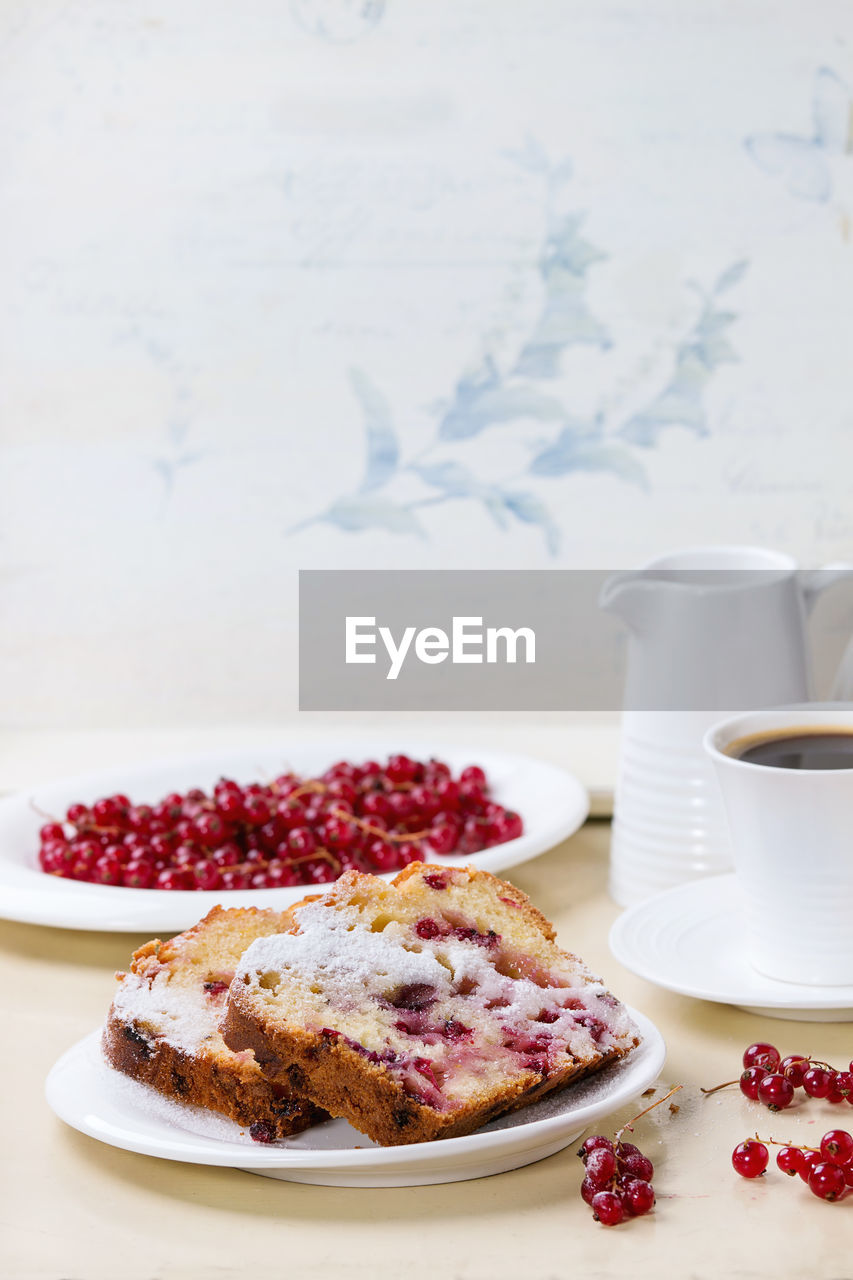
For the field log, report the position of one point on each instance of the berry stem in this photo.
(42, 813)
(364, 825)
(726, 1085)
(630, 1125)
(774, 1142)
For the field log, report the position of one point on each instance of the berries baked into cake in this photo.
(163, 1026)
(422, 1008)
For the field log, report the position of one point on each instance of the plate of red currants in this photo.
(156, 846)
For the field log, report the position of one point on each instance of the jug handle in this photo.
(815, 581)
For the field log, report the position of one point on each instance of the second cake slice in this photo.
(422, 1008)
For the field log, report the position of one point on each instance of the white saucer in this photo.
(690, 940)
(552, 802)
(92, 1097)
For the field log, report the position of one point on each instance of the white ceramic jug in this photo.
(713, 631)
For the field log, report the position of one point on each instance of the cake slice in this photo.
(163, 1026)
(422, 1008)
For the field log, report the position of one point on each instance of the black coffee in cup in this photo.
(801, 747)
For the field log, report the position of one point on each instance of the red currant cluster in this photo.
(617, 1183)
(618, 1180)
(291, 831)
(827, 1169)
(774, 1081)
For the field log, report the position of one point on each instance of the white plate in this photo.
(691, 940)
(92, 1097)
(552, 803)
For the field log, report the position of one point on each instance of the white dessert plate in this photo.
(90, 1096)
(552, 803)
(691, 940)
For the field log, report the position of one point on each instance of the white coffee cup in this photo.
(792, 844)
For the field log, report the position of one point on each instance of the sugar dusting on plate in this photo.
(135, 1097)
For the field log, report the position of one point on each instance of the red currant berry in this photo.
(471, 840)
(447, 794)
(209, 830)
(138, 874)
(443, 838)
(301, 842)
(750, 1080)
(638, 1197)
(341, 792)
(401, 769)
(508, 826)
(375, 805)
(607, 1208)
(826, 1181)
(230, 806)
(789, 1160)
(593, 1143)
(206, 874)
(321, 872)
(52, 860)
(844, 1084)
(837, 1146)
(106, 813)
(807, 1163)
(52, 831)
(601, 1167)
(750, 1158)
(794, 1067)
(588, 1190)
(775, 1091)
(139, 818)
(173, 878)
(471, 797)
(473, 774)
(401, 806)
(233, 878)
(337, 833)
(227, 855)
(107, 869)
(637, 1166)
(761, 1055)
(186, 855)
(78, 814)
(818, 1082)
(426, 802)
(382, 856)
(257, 810)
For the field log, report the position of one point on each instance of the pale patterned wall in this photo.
(467, 283)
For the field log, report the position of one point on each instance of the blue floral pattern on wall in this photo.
(521, 393)
(802, 162)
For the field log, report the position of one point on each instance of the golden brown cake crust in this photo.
(334, 1070)
(208, 1074)
(342, 1083)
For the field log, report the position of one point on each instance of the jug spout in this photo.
(629, 596)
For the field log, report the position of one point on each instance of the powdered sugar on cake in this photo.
(435, 991)
(177, 1014)
(336, 945)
